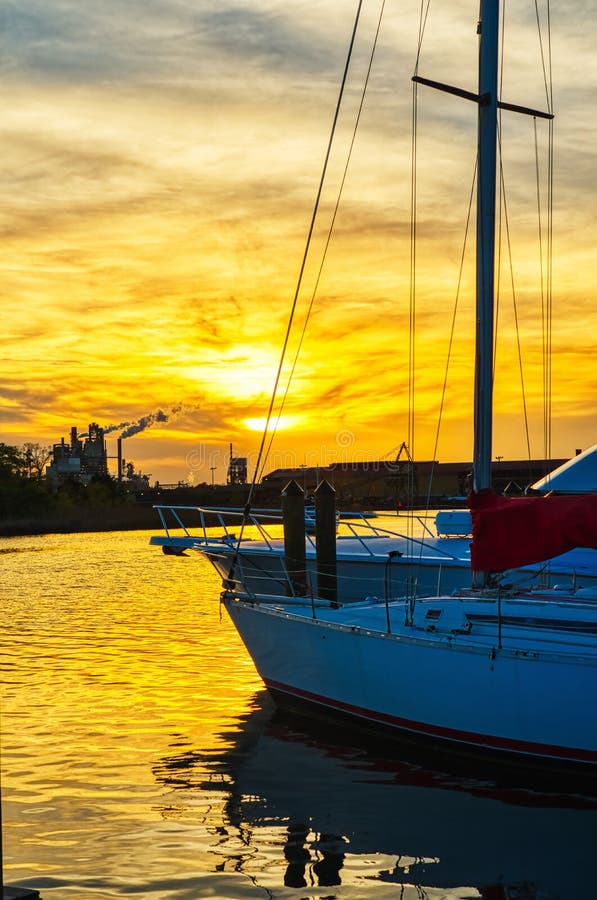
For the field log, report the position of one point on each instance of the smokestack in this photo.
(119, 454)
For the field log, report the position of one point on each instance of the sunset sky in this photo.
(161, 159)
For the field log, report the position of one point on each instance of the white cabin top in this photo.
(577, 476)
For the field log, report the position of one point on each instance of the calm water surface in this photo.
(141, 756)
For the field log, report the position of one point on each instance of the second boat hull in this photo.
(464, 693)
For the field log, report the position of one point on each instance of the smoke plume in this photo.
(110, 428)
(128, 429)
(131, 428)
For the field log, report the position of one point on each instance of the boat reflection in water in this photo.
(302, 811)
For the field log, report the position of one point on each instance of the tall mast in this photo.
(486, 190)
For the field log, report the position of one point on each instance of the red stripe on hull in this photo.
(470, 738)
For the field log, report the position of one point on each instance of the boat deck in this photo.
(525, 623)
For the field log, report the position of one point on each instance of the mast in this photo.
(488, 29)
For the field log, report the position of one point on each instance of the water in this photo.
(141, 756)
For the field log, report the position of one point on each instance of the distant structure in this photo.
(87, 457)
(237, 469)
(80, 460)
(390, 484)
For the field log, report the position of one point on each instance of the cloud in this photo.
(164, 160)
(160, 39)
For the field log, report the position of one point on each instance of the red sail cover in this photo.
(511, 532)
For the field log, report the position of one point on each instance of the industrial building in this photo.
(85, 457)
(237, 469)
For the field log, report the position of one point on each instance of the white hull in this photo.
(261, 570)
(531, 697)
(523, 688)
(440, 567)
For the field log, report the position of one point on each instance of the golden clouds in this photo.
(164, 168)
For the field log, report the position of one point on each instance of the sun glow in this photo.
(240, 371)
(281, 424)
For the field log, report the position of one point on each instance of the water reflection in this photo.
(298, 849)
(305, 813)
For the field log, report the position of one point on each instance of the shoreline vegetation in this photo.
(94, 509)
(31, 504)
(132, 517)
(29, 508)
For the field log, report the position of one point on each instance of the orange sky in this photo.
(161, 163)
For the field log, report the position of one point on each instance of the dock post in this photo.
(325, 542)
(293, 519)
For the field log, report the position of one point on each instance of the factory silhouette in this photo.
(86, 457)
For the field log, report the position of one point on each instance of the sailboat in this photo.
(490, 669)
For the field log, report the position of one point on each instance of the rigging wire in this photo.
(298, 286)
(412, 301)
(546, 240)
(545, 249)
(547, 69)
(328, 239)
(541, 275)
(504, 227)
(412, 287)
(514, 301)
(549, 264)
(452, 330)
(423, 16)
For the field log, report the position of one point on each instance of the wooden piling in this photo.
(293, 519)
(325, 542)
